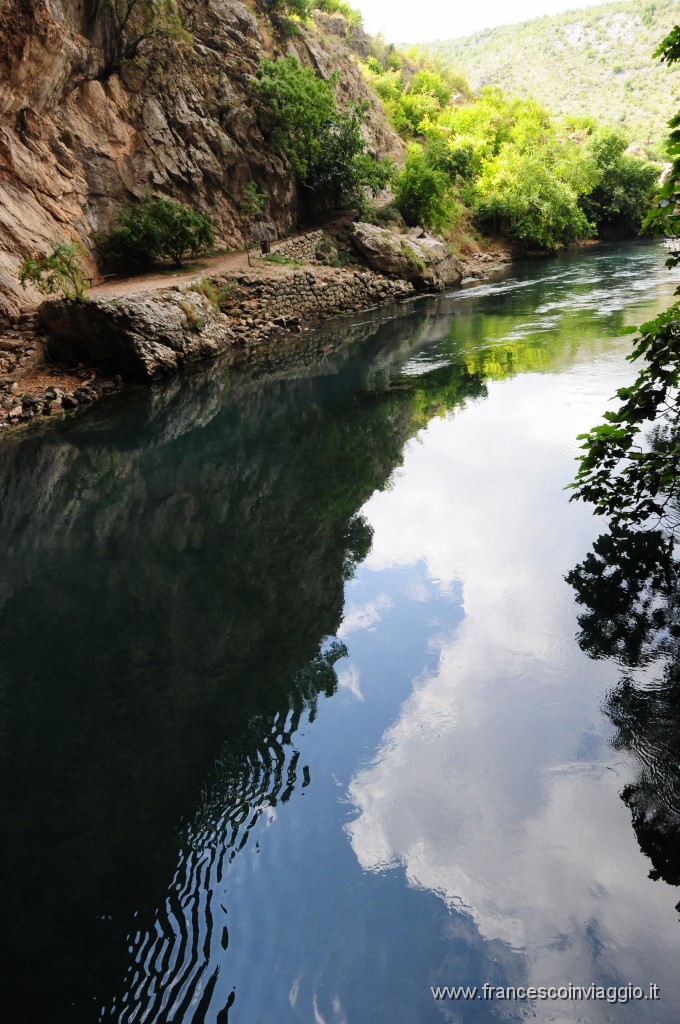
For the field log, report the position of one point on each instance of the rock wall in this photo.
(299, 297)
(78, 141)
(313, 247)
(153, 334)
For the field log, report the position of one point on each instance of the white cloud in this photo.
(349, 679)
(363, 616)
(479, 790)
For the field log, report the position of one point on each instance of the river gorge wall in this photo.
(80, 137)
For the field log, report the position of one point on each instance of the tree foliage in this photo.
(424, 193)
(155, 230)
(352, 16)
(323, 145)
(61, 270)
(299, 104)
(253, 202)
(276, 9)
(542, 182)
(344, 168)
(625, 476)
(665, 217)
(521, 196)
(624, 184)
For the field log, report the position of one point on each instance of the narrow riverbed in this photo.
(298, 718)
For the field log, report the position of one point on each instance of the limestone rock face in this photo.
(417, 257)
(78, 140)
(145, 336)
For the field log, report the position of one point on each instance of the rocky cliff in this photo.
(84, 130)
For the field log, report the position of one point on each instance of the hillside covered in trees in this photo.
(491, 162)
(595, 62)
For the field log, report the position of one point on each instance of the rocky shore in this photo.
(68, 354)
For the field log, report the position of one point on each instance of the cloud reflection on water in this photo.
(496, 788)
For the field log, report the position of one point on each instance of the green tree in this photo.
(61, 270)
(624, 184)
(519, 195)
(430, 83)
(324, 146)
(157, 229)
(343, 168)
(415, 109)
(251, 209)
(424, 193)
(299, 104)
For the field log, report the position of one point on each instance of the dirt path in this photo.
(227, 263)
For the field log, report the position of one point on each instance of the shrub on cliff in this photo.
(140, 32)
(59, 271)
(155, 230)
(324, 146)
(280, 8)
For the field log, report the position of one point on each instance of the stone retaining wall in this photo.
(314, 247)
(302, 296)
(152, 334)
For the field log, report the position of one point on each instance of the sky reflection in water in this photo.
(496, 788)
(250, 823)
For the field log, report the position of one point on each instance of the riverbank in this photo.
(64, 355)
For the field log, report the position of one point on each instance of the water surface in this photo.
(295, 720)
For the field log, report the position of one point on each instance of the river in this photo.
(300, 716)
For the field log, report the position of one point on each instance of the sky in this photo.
(417, 21)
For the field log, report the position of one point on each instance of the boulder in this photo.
(144, 336)
(417, 256)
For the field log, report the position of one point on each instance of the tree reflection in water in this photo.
(629, 589)
(183, 565)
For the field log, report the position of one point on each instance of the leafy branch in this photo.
(59, 271)
(624, 478)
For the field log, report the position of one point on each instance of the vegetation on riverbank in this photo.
(507, 162)
(625, 478)
(484, 163)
